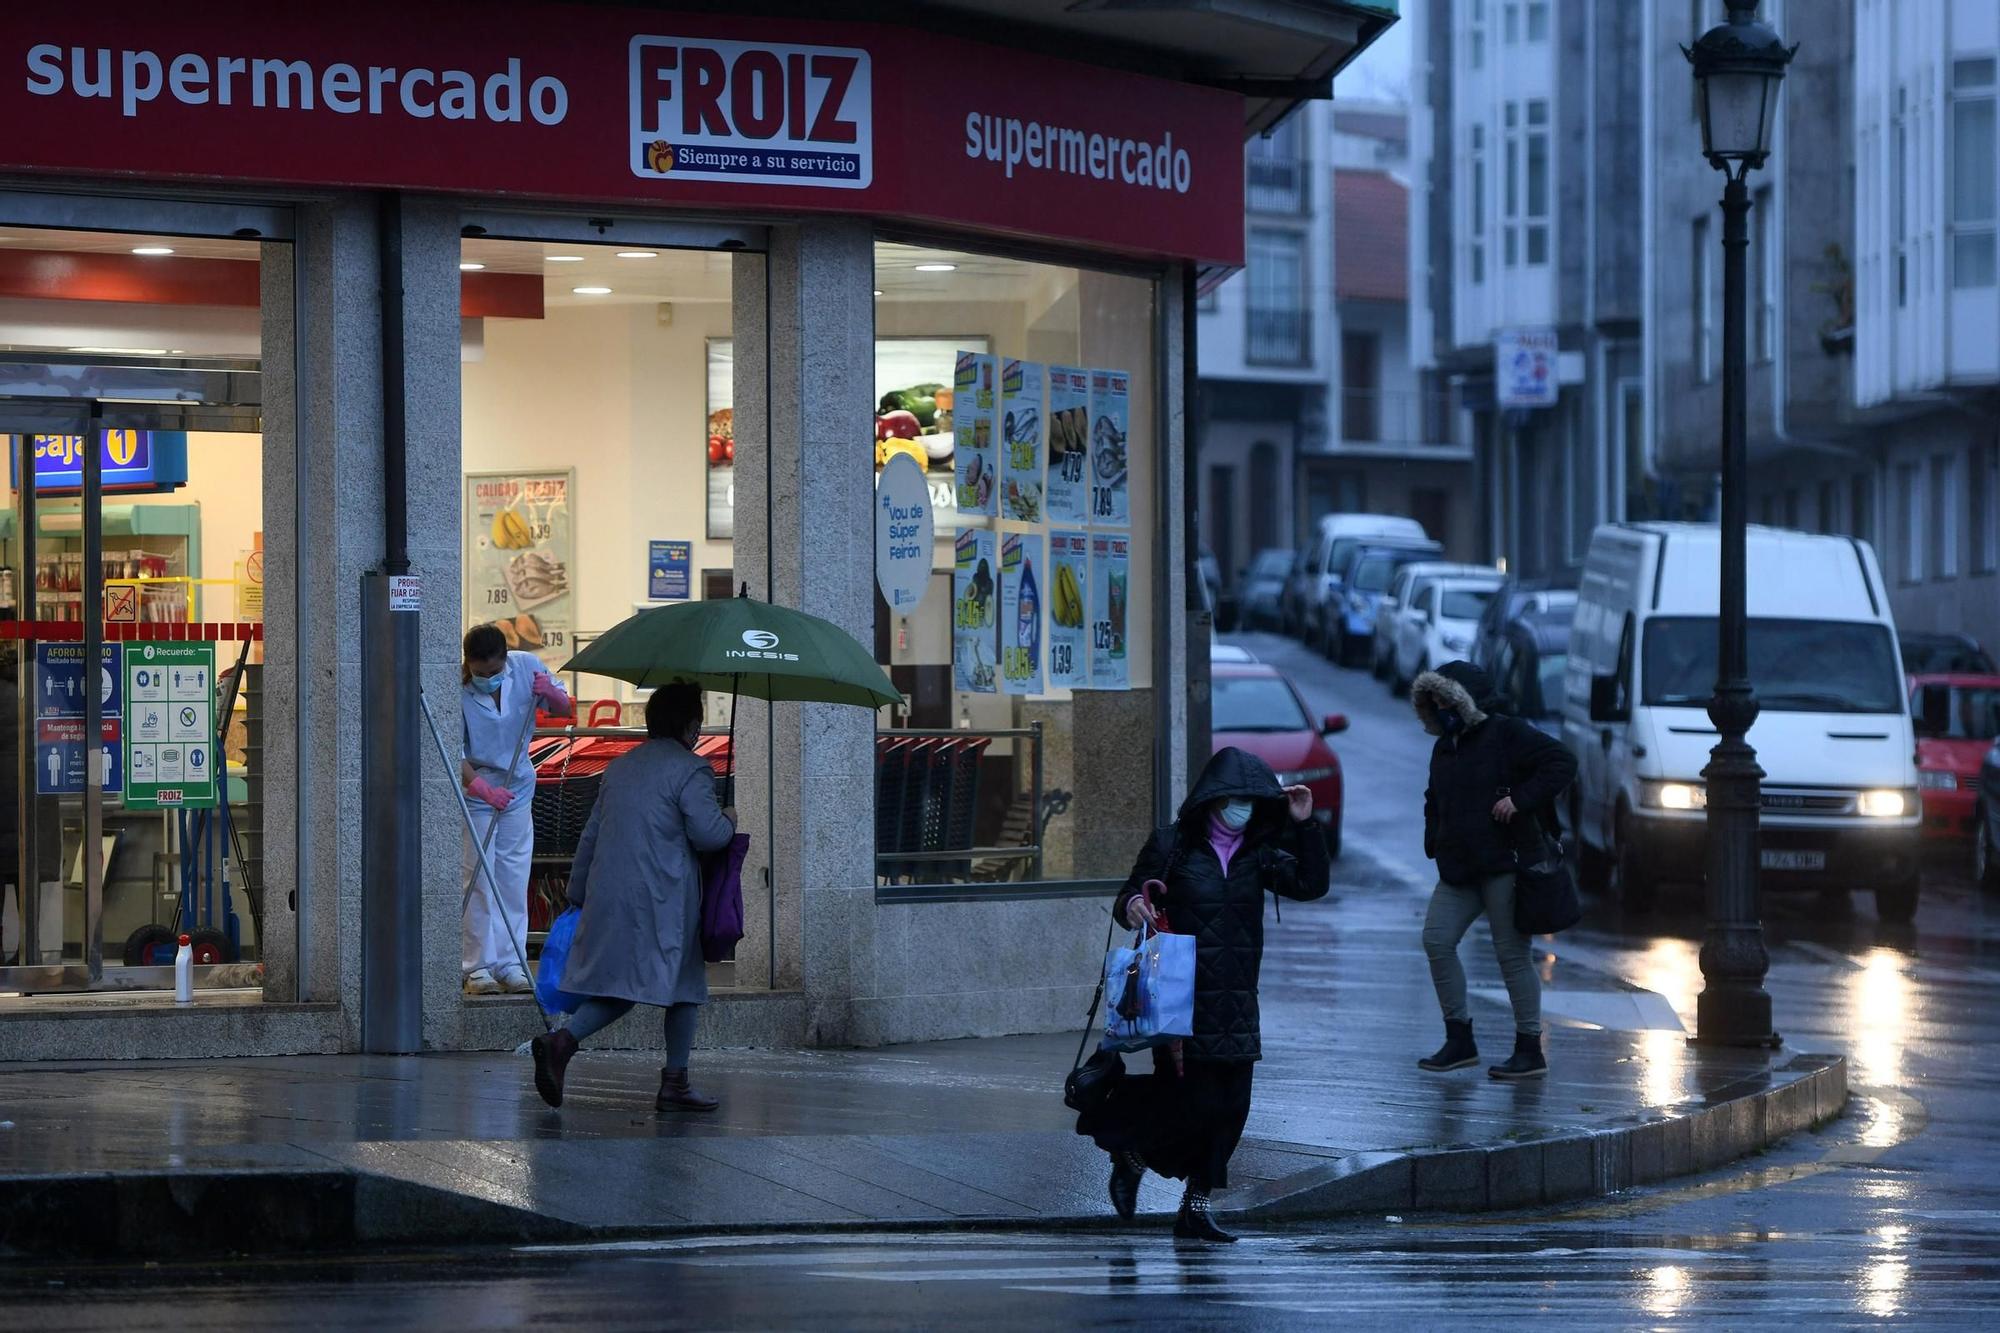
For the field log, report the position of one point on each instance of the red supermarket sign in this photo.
(621, 105)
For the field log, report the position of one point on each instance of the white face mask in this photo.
(1235, 814)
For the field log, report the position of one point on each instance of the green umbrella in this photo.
(743, 646)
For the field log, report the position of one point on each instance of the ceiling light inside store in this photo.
(936, 268)
(152, 249)
(591, 291)
(470, 267)
(126, 351)
(565, 259)
(638, 254)
(878, 292)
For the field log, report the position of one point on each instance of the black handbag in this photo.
(1092, 1081)
(1545, 896)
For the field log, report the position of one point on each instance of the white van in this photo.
(1326, 551)
(1833, 736)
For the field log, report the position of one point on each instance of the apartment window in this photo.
(1538, 182)
(1765, 259)
(1511, 14)
(1973, 150)
(1984, 467)
(1910, 508)
(1278, 325)
(1899, 203)
(1945, 500)
(1829, 507)
(1704, 306)
(1360, 386)
(1510, 191)
(1274, 169)
(1538, 20)
(1476, 36)
(1861, 507)
(1478, 204)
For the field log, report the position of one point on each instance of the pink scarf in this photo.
(1224, 840)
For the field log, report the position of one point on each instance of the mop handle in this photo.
(472, 831)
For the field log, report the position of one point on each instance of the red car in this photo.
(1255, 707)
(1957, 718)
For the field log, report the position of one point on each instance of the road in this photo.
(1890, 1215)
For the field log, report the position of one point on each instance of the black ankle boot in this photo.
(1526, 1062)
(1195, 1223)
(1458, 1051)
(1127, 1170)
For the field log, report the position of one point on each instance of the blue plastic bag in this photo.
(555, 957)
(1149, 988)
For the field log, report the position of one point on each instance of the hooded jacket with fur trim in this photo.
(1480, 756)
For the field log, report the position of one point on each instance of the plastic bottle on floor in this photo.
(184, 972)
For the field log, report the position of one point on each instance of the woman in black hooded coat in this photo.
(1184, 1120)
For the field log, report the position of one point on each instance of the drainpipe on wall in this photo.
(391, 855)
(1199, 617)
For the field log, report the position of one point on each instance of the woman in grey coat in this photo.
(638, 884)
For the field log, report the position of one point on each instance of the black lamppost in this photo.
(1738, 66)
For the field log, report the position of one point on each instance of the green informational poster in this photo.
(171, 757)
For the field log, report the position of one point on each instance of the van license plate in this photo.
(1776, 860)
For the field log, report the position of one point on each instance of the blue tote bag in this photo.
(1150, 984)
(555, 958)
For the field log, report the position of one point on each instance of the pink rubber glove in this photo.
(497, 797)
(554, 701)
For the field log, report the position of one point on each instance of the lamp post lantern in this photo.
(1738, 67)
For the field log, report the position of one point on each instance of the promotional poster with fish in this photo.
(1067, 498)
(1111, 424)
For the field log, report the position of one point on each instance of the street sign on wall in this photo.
(1524, 367)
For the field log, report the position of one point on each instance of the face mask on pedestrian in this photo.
(1234, 815)
(486, 684)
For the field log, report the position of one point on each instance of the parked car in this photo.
(1945, 654)
(1438, 628)
(1300, 586)
(1219, 610)
(1362, 581)
(1408, 584)
(1841, 805)
(1332, 545)
(1517, 598)
(1530, 669)
(1228, 652)
(1261, 591)
(1957, 720)
(1986, 838)
(1255, 707)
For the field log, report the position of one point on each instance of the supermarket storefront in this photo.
(555, 313)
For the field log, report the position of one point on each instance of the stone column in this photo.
(805, 539)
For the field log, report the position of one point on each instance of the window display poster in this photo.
(1021, 441)
(1110, 579)
(1068, 499)
(721, 439)
(669, 571)
(1111, 413)
(973, 612)
(1068, 577)
(170, 725)
(1021, 574)
(975, 423)
(519, 547)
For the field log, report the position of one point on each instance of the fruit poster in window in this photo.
(1021, 441)
(519, 549)
(1021, 575)
(1067, 497)
(1110, 602)
(975, 597)
(975, 414)
(1068, 580)
(1111, 423)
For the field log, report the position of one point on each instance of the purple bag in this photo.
(722, 899)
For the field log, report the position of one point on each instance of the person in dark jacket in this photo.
(1238, 836)
(1490, 776)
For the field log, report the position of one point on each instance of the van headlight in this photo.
(1937, 781)
(1676, 795)
(1886, 803)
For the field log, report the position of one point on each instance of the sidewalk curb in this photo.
(1737, 1120)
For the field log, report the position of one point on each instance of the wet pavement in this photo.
(1890, 1214)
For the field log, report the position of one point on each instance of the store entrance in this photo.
(131, 645)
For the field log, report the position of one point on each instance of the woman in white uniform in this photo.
(498, 699)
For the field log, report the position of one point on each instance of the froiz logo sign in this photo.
(761, 644)
(749, 112)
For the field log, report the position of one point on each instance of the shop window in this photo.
(1021, 398)
(167, 567)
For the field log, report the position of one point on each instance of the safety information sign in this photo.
(60, 683)
(170, 726)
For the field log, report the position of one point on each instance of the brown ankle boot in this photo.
(552, 1053)
(676, 1095)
